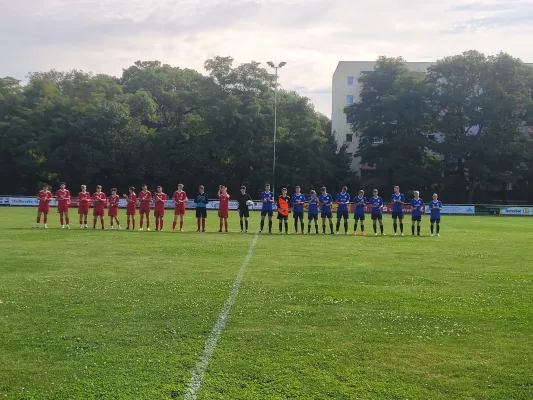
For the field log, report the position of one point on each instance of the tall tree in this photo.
(392, 121)
(482, 104)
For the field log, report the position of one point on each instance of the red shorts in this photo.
(112, 212)
(223, 213)
(44, 208)
(131, 211)
(98, 212)
(179, 210)
(159, 213)
(144, 209)
(83, 209)
(62, 208)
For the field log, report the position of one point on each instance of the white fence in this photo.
(29, 201)
(450, 209)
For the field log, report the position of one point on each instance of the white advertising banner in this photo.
(516, 211)
(453, 209)
(27, 201)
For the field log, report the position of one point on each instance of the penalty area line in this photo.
(211, 343)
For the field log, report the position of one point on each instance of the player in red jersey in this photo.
(131, 209)
(223, 206)
(44, 197)
(112, 211)
(84, 198)
(99, 201)
(179, 197)
(145, 198)
(160, 199)
(63, 200)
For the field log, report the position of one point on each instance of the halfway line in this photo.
(211, 342)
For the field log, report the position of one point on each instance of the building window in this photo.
(349, 137)
(377, 141)
(351, 80)
(367, 72)
(349, 99)
(350, 119)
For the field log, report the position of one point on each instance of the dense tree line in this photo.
(459, 129)
(159, 124)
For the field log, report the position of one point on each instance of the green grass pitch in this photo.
(125, 315)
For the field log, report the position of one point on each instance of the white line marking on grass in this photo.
(211, 342)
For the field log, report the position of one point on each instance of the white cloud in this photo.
(311, 36)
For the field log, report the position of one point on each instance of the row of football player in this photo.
(144, 198)
(322, 202)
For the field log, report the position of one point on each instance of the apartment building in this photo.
(345, 91)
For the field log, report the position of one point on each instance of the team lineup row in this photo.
(316, 204)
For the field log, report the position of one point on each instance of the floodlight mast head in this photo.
(272, 65)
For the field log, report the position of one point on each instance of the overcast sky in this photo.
(105, 36)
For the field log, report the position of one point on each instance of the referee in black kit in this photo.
(243, 198)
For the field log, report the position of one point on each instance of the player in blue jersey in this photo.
(298, 201)
(312, 212)
(416, 215)
(435, 206)
(343, 200)
(359, 212)
(326, 200)
(377, 211)
(267, 197)
(398, 200)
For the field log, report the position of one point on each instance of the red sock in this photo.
(46, 219)
(81, 221)
(174, 225)
(181, 224)
(141, 223)
(199, 222)
(226, 225)
(102, 222)
(38, 220)
(85, 221)
(161, 224)
(94, 223)
(128, 222)
(220, 225)
(111, 222)
(156, 224)
(67, 220)
(61, 220)
(147, 223)
(203, 224)
(133, 224)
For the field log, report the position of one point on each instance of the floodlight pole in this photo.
(276, 67)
